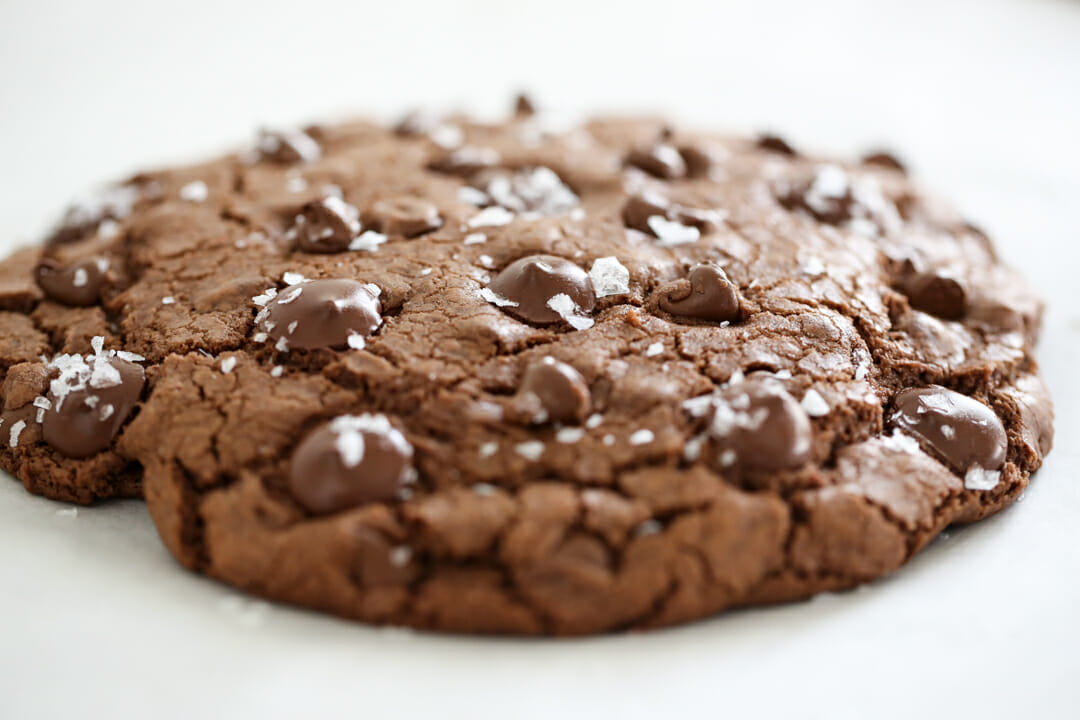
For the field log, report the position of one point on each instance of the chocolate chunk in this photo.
(405, 215)
(705, 294)
(559, 390)
(776, 144)
(661, 160)
(465, 161)
(288, 146)
(528, 286)
(327, 225)
(934, 293)
(78, 284)
(350, 461)
(699, 161)
(320, 314)
(89, 401)
(884, 160)
(637, 210)
(524, 106)
(756, 424)
(959, 430)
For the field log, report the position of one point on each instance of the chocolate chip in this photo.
(527, 287)
(465, 161)
(320, 314)
(934, 293)
(559, 390)
(756, 424)
(661, 160)
(959, 430)
(350, 461)
(89, 403)
(288, 146)
(77, 285)
(405, 216)
(884, 160)
(699, 161)
(827, 195)
(327, 225)
(524, 106)
(705, 294)
(637, 210)
(776, 144)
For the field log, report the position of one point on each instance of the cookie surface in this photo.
(498, 378)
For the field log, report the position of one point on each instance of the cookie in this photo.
(504, 378)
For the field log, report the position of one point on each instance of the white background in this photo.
(981, 97)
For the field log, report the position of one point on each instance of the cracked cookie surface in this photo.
(507, 378)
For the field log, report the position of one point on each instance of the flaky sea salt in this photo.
(657, 348)
(564, 305)
(475, 238)
(495, 299)
(228, 364)
(978, 478)
(670, 233)
(530, 449)
(195, 191)
(609, 277)
(368, 240)
(569, 435)
(494, 216)
(488, 449)
(814, 404)
(642, 437)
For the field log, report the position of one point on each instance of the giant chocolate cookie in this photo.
(497, 378)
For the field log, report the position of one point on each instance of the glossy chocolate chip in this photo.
(350, 461)
(638, 208)
(559, 390)
(320, 314)
(705, 294)
(935, 293)
(526, 288)
(757, 424)
(827, 195)
(288, 146)
(660, 160)
(89, 402)
(78, 284)
(959, 430)
(884, 160)
(404, 215)
(327, 225)
(776, 144)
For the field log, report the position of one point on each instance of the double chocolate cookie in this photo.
(512, 379)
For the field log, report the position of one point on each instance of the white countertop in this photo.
(982, 98)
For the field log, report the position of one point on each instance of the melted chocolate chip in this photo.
(350, 461)
(705, 294)
(756, 424)
(288, 146)
(529, 284)
(83, 420)
(661, 160)
(320, 314)
(776, 144)
(558, 389)
(327, 225)
(405, 216)
(884, 160)
(934, 293)
(959, 430)
(78, 285)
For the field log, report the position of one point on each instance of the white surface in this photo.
(981, 97)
